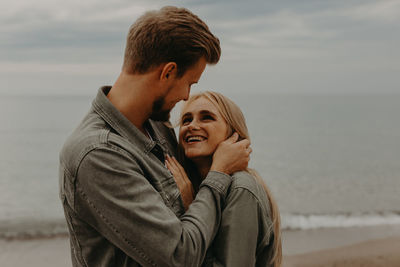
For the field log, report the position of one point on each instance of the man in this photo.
(122, 205)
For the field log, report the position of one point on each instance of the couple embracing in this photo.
(135, 196)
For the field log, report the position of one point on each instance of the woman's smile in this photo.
(193, 139)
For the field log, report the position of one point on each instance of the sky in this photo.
(53, 47)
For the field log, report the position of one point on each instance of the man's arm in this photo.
(114, 197)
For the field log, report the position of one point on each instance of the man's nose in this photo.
(186, 96)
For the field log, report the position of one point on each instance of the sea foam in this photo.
(313, 221)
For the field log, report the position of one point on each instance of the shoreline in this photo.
(355, 246)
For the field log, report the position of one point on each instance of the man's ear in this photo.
(168, 71)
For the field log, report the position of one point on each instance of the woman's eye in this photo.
(186, 121)
(208, 117)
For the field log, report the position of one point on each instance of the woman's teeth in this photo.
(195, 138)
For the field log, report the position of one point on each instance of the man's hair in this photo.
(169, 35)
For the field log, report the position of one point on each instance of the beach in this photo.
(356, 246)
(372, 246)
(373, 253)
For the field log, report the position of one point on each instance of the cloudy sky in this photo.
(310, 46)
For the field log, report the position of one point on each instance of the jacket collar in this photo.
(102, 106)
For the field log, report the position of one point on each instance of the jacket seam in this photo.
(215, 187)
(97, 146)
(108, 223)
(248, 190)
(81, 258)
(115, 230)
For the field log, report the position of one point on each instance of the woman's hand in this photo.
(184, 184)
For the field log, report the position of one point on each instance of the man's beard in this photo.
(158, 114)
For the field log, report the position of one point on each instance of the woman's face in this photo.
(202, 128)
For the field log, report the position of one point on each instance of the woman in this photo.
(249, 234)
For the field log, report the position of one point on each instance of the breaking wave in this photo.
(313, 221)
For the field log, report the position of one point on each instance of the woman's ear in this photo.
(168, 71)
(229, 132)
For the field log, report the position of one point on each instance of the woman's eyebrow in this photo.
(207, 112)
(187, 114)
(201, 112)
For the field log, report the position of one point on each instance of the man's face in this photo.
(158, 113)
(179, 90)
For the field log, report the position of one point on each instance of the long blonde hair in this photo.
(237, 123)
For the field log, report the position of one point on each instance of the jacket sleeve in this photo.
(120, 203)
(236, 242)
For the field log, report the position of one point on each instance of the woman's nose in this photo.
(194, 125)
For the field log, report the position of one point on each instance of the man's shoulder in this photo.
(90, 134)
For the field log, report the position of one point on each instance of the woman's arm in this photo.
(236, 240)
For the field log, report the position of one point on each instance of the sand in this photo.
(341, 247)
(358, 246)
(375, 253)
(44, 252)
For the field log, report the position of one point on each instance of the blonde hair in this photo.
(237, 123)
(170, 34)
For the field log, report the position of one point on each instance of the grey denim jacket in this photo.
(121, 203)
(245, 236)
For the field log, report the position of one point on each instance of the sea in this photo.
(329, 160)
